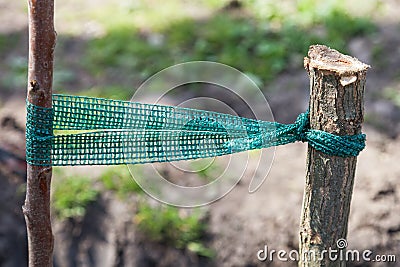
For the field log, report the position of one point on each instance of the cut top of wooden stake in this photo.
(324, 58)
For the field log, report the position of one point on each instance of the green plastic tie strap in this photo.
(94, 131)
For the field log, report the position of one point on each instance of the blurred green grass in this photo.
(71, 195)
(243, 42)
(168, 225)
(129, 41)
(119, 180)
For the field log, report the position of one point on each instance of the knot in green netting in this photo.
(302, 126)
(342, 146)
(94, 131)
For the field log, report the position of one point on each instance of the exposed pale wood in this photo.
(337, 85)
(42, 39)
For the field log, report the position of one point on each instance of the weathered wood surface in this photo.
(337, 85)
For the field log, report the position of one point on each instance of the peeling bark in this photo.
(337, 85)
(42, 39)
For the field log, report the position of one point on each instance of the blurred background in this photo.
(107, 48)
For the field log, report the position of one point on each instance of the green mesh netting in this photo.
(93, 131)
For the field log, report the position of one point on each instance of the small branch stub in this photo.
(337, 84)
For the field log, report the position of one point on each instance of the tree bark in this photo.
(42, 39)
(337, 86)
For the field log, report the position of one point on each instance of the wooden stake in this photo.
(42, 39)
(337, 86)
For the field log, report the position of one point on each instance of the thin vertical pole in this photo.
(337, 86)
(42, 39)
